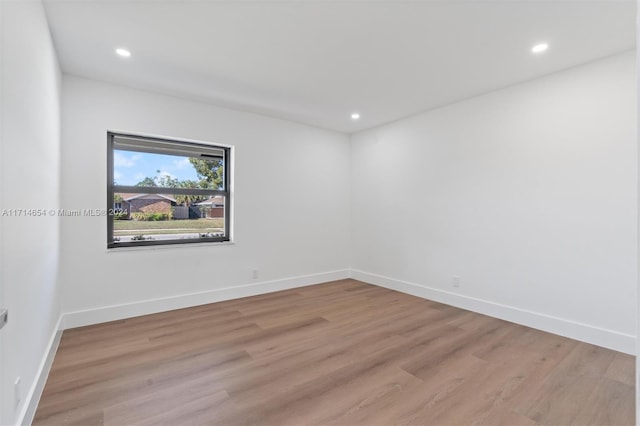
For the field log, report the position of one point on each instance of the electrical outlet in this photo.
(16, 392)
(255, 274)
(455, 281)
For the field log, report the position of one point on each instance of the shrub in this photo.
(140, 237)
(139, 216)
(151, 216)
(120, 216)
(160, 216)
(211, 235)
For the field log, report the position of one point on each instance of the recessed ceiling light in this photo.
(355, 116)
(539, 48)
(123, 52)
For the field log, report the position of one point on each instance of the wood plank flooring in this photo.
(342, 353)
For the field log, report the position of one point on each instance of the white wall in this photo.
(528, 194)
(291, 199)
(29, 170)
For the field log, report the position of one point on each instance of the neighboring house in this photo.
(213, 207)
(146, 203)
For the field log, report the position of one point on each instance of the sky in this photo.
(129, 167)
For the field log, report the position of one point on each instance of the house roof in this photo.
(212, 201)
(129, 197)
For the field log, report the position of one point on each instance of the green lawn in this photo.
(132, 227)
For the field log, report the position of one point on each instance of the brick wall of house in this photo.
(150, 206)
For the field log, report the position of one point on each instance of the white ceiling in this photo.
(316, 62)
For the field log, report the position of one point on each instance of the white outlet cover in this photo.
(455, 281)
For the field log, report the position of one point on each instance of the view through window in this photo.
(166, 192)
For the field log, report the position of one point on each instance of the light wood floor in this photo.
(337, 353)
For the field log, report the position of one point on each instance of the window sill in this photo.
(169, 246)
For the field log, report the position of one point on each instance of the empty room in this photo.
(318, 212)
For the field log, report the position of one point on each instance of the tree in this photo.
(148, 181)
(209, 171)
(188, 199)
(165, 181)
(161, 180)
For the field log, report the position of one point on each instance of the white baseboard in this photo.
(145, 307)
(587, 333)
(35, 391)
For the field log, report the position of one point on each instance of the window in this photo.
(163, 191)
